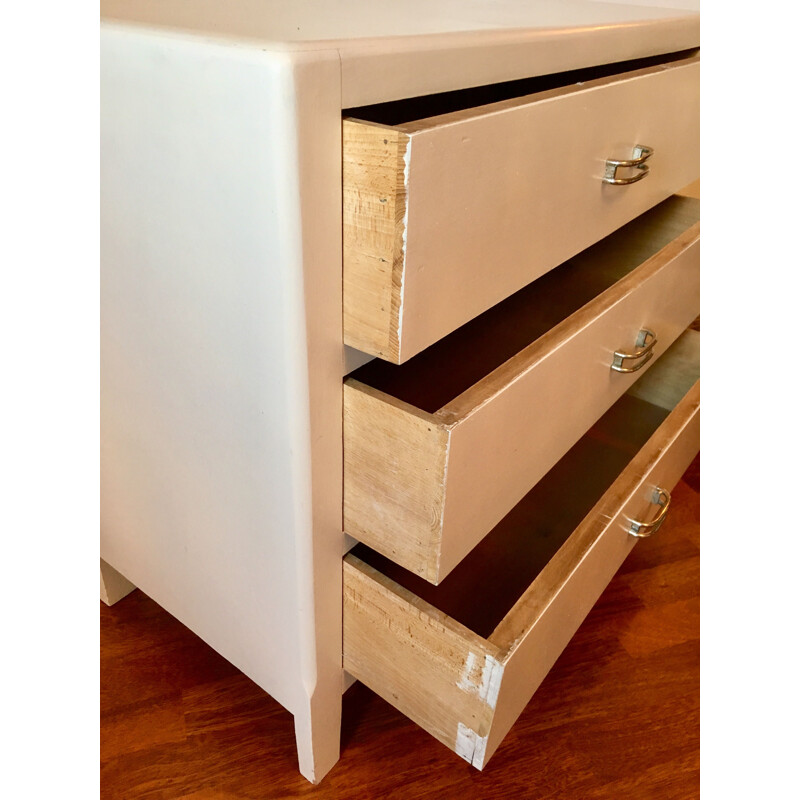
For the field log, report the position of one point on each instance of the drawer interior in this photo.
(398, 112)
(440, 373)
(511, 556)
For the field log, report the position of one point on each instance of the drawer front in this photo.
(466, 689)
(537, 630)
(445, 217)
(424, 489)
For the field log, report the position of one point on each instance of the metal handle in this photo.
(640, 155)
(641, 530)
(644, 352)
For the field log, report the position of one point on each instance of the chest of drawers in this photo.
(289, 191)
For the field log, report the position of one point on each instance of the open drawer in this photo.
(438, 450)
(463, 659)
(445, 214)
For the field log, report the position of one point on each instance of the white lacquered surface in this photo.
(390, 50)
(217, 438)
(323, 24)
(196, 295)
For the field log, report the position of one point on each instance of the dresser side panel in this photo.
(204, 426)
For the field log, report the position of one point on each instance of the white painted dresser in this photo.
(249, 235)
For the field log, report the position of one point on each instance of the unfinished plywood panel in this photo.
(445, 216)
(395, 460)
(374, 211)
(436, 671)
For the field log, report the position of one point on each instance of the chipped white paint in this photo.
(436, 545)
(491, 676)
(465, 742)
(465, 682)
(479, 755)
(406, 168)
(492, 679)
(470, 746)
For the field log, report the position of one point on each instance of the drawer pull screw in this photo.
(640, 155)
(641, 530)
(643, 353)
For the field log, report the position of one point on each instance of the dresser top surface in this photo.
(388, 49)
(325, 24)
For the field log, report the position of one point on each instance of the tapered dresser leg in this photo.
(317, 731)
(113, 586)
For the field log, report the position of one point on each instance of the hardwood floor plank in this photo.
(662, 626)
(142, 725)
(665, 583)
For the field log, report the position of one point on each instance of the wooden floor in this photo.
(617, 717)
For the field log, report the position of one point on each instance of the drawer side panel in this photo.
(373, 226)
(434, 670)
(395, 463)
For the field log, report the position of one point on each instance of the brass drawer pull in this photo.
(641, 530)
(640, 155)
(644, 352)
